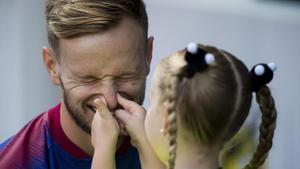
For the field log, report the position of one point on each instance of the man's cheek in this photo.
(127, 95)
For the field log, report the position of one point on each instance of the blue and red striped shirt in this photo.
(42, 144)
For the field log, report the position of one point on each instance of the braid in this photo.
(171, 92)
(267, 127)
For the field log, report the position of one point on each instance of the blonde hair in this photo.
(74, 18)
(214, 103)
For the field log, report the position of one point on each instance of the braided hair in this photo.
(211, 95)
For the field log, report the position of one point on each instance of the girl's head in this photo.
(206, 103)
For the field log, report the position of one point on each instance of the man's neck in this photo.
(74, 132)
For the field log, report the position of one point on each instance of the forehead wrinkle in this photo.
(101, 58)
(93, 53)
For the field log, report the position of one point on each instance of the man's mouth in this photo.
(123, 130)
(92, 108)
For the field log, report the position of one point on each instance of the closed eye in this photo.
(128, 78)
(88, 81)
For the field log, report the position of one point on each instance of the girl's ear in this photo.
(165, 118)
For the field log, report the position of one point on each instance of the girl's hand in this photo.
(133, 116)
(105, 129)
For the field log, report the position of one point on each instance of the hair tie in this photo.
(262, 74)
(197, 59)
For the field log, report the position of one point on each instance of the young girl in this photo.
(199, 99)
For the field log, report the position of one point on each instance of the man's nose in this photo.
(109, 92)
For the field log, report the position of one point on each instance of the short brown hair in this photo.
(75, 18)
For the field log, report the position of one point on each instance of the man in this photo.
(98, 48)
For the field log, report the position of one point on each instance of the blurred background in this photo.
(253, 30)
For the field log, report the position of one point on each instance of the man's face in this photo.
(100, 66)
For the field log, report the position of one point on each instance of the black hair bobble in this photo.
(197, 59)
(261, 74)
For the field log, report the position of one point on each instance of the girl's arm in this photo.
(133, 116)
(105, 131)
(104, 158)
(147, 156)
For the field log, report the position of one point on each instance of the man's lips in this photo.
(92, 108)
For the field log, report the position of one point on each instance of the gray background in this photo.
(252, 30)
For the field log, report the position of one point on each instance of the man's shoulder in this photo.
(30, 128)
(29, 143)
(5, 143)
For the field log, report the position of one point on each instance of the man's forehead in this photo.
(128, 30)
(93, 48)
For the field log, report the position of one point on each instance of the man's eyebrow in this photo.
(86, 76)
(129, 73)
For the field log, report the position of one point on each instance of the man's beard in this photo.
(75, 113)
(78, 117)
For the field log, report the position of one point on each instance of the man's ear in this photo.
(149, 53)
(51, 65)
